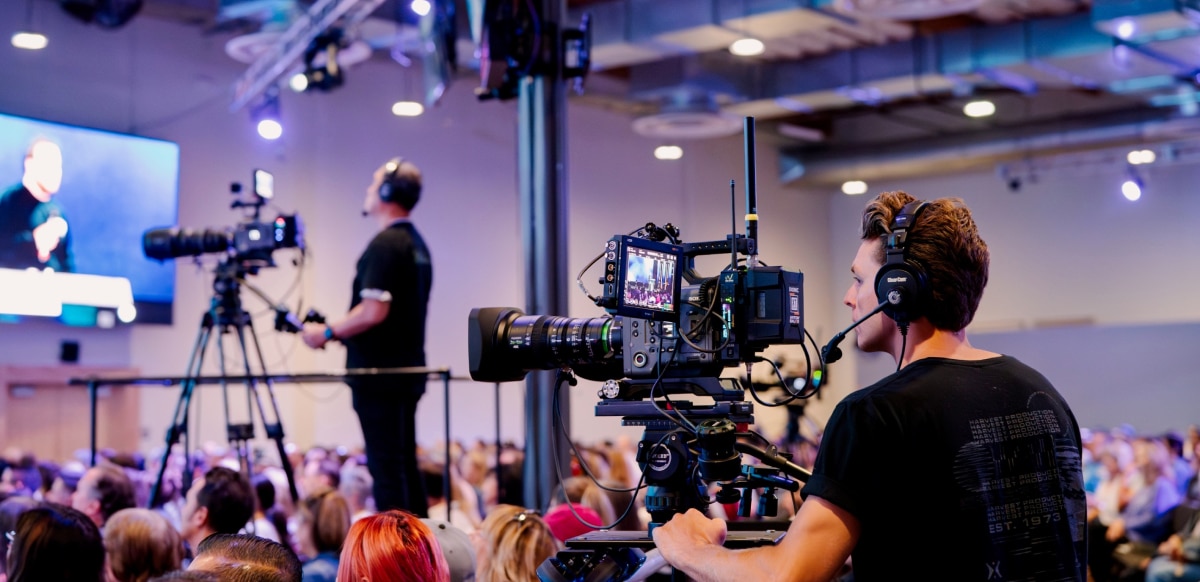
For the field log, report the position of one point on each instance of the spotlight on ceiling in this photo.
(854, 187)
(982, 108)
(298, 82)
(31, 41)
(747, 47)
(668, 152)
(407, 109)
(1133, 185)
(266, 115)
(420, 7)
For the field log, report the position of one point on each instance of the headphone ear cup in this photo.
(385, 191)
(901, 286)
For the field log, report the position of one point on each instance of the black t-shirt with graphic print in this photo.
(958, 470)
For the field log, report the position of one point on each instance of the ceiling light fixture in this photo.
(668, 152)
(266, 115)
(982, 108)
(747, 47)
(1140, 157)
(1133, 185)
(854, 187)
(407, 109)
(28, 39)
(420, 7)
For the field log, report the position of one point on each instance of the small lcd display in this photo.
(650, 279)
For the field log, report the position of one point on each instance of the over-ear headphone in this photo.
(398, 188)
(901, 282)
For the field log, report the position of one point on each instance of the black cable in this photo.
(562, 378)
(903, 344)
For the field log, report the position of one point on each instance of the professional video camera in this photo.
(669, 330)
(249, 243)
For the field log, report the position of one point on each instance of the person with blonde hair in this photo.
(140, 544)
(510, 545)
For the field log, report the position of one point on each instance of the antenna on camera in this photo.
(751, 194)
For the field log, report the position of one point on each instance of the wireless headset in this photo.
(901, 285)
(398, 188)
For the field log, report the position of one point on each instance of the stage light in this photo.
(127, 313)
(982, 108)
(407, 109)
(668, 152)
(747, 47)
(1131, 190)
(854, 187)
(1126, 29)
(420, 7)
(266, 115)
(29, 41)
(298, 82)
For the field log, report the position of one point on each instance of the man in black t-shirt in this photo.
(33, 231)
(963, 465)
(385, 328)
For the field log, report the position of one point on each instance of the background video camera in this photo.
(250, 243)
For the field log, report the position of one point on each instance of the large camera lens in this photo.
(505, 344)
(171, 242)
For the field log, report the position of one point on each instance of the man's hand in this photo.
(314, 335)
(47, 236)
(688, 533)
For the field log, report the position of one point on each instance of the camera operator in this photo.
(386, 328)
(963, 465)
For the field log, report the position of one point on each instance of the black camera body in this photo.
(249, 243)
(667, 320)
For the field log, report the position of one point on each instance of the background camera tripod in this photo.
(225, 315)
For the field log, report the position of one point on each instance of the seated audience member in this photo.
(320, 473)
(321, 527)
(457, 548)
(246, 558)
(569, 520)
(21, 479)
(140, 544)
(65, 484)
(511, 544)
(435, 492)
(267, 521)
(220, 502)
(1145, 520)
(393, 546)
(102, 491)
(1179, 556)
(10, 511)
(356, 490)
(55, 543)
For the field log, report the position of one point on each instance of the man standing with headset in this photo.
(963, 465)
(385, 328)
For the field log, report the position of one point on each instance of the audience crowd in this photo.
(68, 522)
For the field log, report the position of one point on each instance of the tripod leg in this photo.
(179, 420)
(274, 430)
(236, 434)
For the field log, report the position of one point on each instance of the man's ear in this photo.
(200, 516)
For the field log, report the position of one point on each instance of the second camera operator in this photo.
(385, 328)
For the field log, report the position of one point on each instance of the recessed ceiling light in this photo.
(747, 47)
(668, 152)
(983, 108)
(29, 41)
(854, 187)
(407, 109)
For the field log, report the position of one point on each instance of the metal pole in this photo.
(542, 165)
(92, 389)
(446, 419)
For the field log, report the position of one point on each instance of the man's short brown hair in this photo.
(945, 243)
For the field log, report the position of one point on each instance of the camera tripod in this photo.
(226, 315)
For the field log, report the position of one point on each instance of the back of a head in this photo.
(326, 516)
(516, 542)
(141, 544)
(356, 485)
(45, 537)
(10, 511)
(401, 183)
(113, 489)
(945, 243)
(246, 558)
(229, 499)
(394, 546)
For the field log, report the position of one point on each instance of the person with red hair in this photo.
(394, 546)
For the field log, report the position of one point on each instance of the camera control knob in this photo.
(639, 360)
(610, 389)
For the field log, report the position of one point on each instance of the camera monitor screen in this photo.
(650, 279)
(74, 203)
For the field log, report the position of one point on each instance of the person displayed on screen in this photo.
(385, 328)
(962, 465)
(33, 229)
